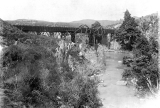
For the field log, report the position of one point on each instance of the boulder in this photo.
(121, 83)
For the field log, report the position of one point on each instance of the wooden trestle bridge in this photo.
(99, 34)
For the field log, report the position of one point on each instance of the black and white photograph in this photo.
(79, 54)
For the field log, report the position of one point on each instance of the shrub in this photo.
(80, 92)
(127, 74)
(127, 61)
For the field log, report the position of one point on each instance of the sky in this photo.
(72, 10)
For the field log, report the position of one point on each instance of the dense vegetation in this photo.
(140, 37)
(35, 76)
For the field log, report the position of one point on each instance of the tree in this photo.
(127, 15)
(94, 36)
(95, 25)
(128, 32)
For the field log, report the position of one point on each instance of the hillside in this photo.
(11, 34)
(138, 20)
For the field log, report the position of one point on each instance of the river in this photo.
(112, 94)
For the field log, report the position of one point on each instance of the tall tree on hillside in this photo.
(94, 37)
(128, 32)
(95, 25)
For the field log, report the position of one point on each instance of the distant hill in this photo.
(35, 22)
(88, 22)
(115, 25)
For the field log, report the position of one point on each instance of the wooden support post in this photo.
(109, 40)
(91, 39)
(38, 33)
(94, 40)
(73, 37)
